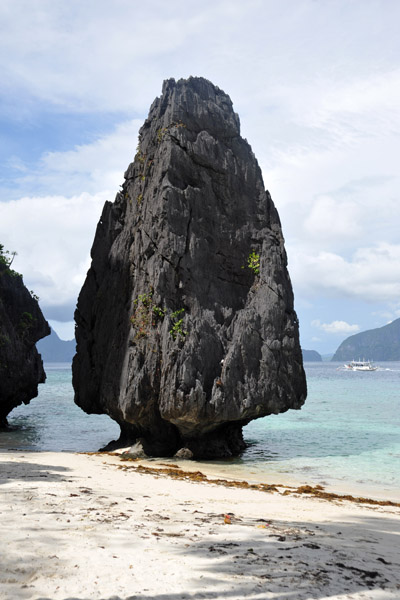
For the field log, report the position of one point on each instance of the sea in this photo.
(346, 437)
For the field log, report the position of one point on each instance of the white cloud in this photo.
(53, 240)
(340, 327)
(64, 330)
(391, 313)
(372, 274)
(95, 167)
(99, 55)
(329, 218)
(103, 159)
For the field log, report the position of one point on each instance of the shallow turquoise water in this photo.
(347, 433)
(52, 421)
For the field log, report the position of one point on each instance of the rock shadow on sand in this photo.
(281, 560)
(12, 470)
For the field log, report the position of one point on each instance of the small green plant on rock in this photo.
(176, 329)
(141, 318)
(158, 312)
(160, 134)
(253, 262)
(163, 130)
(139, 155)
(145, 315)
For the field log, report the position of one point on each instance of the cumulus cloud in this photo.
(53, 240)
(329, 218)
(128, 47)
(391, 312)
(93, 167)
(371, 274)
(340, 327)
(98, 165)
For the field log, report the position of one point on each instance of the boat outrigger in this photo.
(361, 365)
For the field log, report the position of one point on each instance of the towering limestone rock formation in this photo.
(21, 326)
(185, 325)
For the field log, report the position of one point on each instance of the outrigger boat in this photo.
(360, 365)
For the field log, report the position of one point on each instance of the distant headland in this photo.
(382, 343)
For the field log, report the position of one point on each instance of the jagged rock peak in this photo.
(21, 326)
(198, 104)
(185, 324)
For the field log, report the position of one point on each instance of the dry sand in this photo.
(91, 526)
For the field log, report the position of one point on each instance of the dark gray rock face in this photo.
(21, 326)
(185, 324)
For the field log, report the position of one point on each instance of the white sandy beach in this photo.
(91, 527)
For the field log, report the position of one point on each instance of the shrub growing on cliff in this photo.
(253, 262)
(7, 258)
(145, 315)
(176, 328)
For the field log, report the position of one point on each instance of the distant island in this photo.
(53, 349)
(382, 343)
(311, 356)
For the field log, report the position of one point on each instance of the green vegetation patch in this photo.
(147, 315)
(7, 258)
(253, 262)
(177, 323)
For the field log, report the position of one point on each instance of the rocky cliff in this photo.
(21, 326)
(382, 343)
(185, 324)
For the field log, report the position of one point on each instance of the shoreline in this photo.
(227, 471)
(91, 526)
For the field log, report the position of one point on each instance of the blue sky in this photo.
(317, 88)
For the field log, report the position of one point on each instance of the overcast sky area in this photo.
(316, 84)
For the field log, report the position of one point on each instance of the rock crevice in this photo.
(185, 325)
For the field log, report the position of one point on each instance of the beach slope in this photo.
(90, 527)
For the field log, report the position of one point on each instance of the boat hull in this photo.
(361, 365)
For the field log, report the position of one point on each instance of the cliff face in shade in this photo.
(21, 326)
(178, 339)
